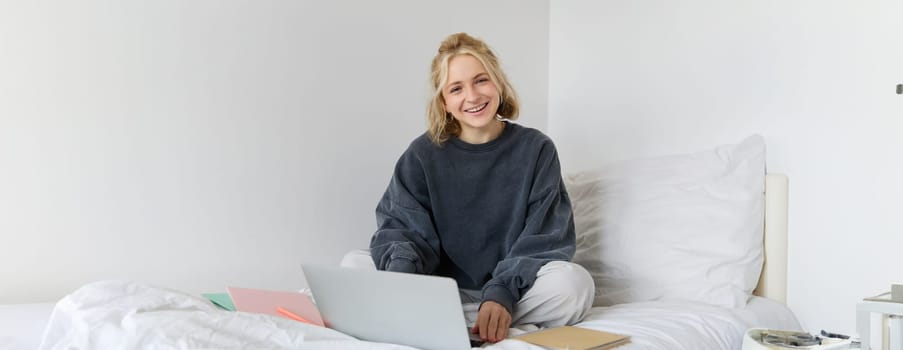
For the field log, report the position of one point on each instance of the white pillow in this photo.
(685, 227)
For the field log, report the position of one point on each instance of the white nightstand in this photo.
(893, 311)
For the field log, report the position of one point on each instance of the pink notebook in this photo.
(269, 302)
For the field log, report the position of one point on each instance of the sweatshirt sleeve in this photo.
(548, 234)
(406, 238)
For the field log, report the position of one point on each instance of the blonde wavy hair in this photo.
(442, 125)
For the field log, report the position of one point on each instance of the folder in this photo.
(270, 302)
(574, 338)
(220, 299)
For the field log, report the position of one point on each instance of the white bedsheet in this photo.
(689, 325)
(21, 325)
(125, 315)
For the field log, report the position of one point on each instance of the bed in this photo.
(663, 277)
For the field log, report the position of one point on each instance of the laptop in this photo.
(389, 307)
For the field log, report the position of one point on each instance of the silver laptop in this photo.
(388, 307)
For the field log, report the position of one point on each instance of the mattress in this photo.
(128, 315)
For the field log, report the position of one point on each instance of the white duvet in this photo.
(126, 315)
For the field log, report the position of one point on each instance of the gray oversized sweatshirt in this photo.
(488, 215)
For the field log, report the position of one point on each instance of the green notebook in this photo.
(220, 299)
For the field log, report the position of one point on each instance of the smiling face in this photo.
(472, 98)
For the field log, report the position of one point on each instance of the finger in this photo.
(475, 329)
(503, 323)
(504, 326)
(482, 320)
(493, 326)
(499, 326)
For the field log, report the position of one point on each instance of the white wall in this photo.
(200, 144)
(816, 78)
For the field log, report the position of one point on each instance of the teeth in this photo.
(477, 108)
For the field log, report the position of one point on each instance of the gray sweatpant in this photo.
(561, 294)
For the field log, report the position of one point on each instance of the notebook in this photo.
(293, 305)
(574, 338)
(388, 307)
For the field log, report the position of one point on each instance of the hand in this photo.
(493, 322)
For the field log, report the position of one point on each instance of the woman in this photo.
(481, 200)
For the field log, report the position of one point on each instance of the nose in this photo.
(470, 94)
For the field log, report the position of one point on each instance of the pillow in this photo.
(680, 227)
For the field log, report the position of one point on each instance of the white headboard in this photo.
(773, 281)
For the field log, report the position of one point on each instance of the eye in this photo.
(454, 89)
(482, 80)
